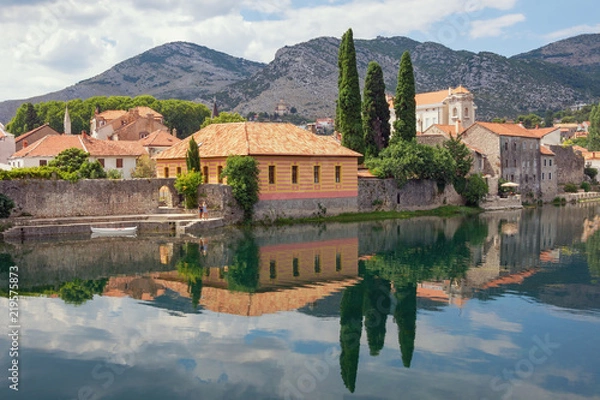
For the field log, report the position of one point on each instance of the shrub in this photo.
(585, 186)
(91, 170)
(114, 174)
(6, 206)
(475, 190)
(187, 185)
(242, 176)
(145, 168)
(570, 188)
(591, 172)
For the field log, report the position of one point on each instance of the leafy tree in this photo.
(91, 170)
(223, 118)
(529, 121)
(475, 190)
(243, 273)
(591, 172)
(145, 167)
(499, 120)
(78, 292)
(192, 158)
(32, 120)
(594, 129)
(187, 185)
(549, 119)
(6, 206)
(405, 125)
(114, 174)
(242, 175)
(375, 110)
(348, 116)
(69, 160)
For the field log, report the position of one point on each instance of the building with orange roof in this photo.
(121, 156)
(443, 107)
(548, 136)
(515, 154)
(7, 145)
(33, 135)
(300, 172)
(158, 141)
(133, 124)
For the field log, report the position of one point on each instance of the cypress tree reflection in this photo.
(190, 266)
(351, 313)
(405, 315)
(376, 309)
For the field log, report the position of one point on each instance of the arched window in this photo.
(466, 112)
(454, 112)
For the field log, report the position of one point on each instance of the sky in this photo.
(47, 45)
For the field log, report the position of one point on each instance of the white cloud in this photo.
(572, 31)
(494, 27)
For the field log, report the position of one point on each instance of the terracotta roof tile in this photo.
(143, 111)
(51, 145)
(33, 131)
(439, 96)
(541, 132)
(110, 115)
(507, 129)
(256, 138)
(159, 138)
(546, 151)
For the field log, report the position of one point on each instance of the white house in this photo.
(121, 156)
(7, 145)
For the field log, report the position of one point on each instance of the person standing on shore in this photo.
(200, 208)
(204, 210)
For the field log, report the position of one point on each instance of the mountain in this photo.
(305, 76)
(174, 70)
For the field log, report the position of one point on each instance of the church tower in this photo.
(67, 122)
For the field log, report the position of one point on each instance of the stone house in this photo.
(7, 145)
(135, 124)
(121, 156)
(548, 136)
(158, 141)
(300, 173)
(517, 155)
(33, 135)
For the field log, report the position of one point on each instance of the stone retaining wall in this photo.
(384, 194)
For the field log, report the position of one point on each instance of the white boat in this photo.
(106, 231)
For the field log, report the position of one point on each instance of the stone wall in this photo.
(569, 165)
(102, 197)
(384, 194)
(270, 210)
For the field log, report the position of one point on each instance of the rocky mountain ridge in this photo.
(305, 76)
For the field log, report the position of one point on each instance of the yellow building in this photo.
(294, 164)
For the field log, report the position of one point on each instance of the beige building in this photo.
(7, 145)
(135, 124)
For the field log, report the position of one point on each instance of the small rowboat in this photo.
(127, 231)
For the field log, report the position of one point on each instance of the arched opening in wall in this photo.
(165, 197)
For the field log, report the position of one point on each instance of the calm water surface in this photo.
(503, 305)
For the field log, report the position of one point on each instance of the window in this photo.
(205, 174)
(219, 172)
(338, 262)
(534, 177)
(338, 174)
(549, 176)
(101, 161)
(515, 163)
(550, 162)
(43, 162)
(466, 112)
(543, 176)
(316, 173)
(120, 163)
(505, 145)
(271, 174)
(506, 163)
(178, 171)
(514, 145)
(317, 264)
(544, 162)
(294, 174)
(296, 266)
(166, 172)
(272, 269)
(524, 146)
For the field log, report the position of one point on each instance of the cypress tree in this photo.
(348, 115)
(594, 129)
(375, 112)
(405, 126)
(192, 158)
(32, 120)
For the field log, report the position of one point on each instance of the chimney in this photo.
(457, 126)
(537, 126)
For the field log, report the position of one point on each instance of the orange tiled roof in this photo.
(439, 96)
(507, 129)
(143, 111)
(541, 132)
(51, 145)
(258, 138)
(159, 138)
(33, 131)
(546, 151)
(110, 115)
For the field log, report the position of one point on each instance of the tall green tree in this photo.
(594, 129)
(405, 315)
(376, 308)
(348, 116)
(32, 120)
(192, 158)
(242, 175)
(405, 125)
(375, 112)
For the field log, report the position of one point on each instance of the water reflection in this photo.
(373, 280)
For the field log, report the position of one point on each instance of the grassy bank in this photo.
(444, 211)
